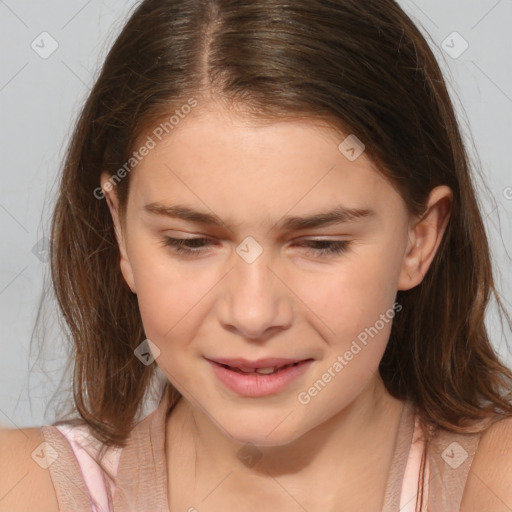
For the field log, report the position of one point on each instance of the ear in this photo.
(113, 205)
(425, 235)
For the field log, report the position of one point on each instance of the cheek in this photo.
(353, 296)
(166, 302)
(173, 297)
(161, 288)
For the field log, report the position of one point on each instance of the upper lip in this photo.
(245, 364)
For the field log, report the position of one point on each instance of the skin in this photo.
(289, 302)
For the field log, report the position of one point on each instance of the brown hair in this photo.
(364, 68)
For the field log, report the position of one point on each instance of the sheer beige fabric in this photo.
(141, 482)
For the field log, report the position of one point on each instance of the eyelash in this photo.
(334, 247)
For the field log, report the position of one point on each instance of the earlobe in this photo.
(113, 205)
(425, 237)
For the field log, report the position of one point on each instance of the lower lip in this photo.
(255, 385)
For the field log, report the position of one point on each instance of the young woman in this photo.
(270, 257)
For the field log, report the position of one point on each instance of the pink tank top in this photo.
(83, 445)
(410, 481)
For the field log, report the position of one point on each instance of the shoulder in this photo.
(24, 483)
(489, 483)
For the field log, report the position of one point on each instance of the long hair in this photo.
(364, 68)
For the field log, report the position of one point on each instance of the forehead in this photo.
(222, 161)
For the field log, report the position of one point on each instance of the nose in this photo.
(255, 302)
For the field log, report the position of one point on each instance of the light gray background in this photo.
(40, 98)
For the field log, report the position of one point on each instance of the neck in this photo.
(351, 447)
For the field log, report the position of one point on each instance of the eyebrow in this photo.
(337, 215)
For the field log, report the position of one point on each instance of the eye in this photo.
(194, 246)
(186, 246)
(326, 247)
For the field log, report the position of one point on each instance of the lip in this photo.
(258, 385)
(245, 364)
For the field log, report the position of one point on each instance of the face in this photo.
(261, 283)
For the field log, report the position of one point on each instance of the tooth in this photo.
(265, 371)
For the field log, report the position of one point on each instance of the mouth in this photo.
(266, 366)
(270, 370)
(258, 378)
